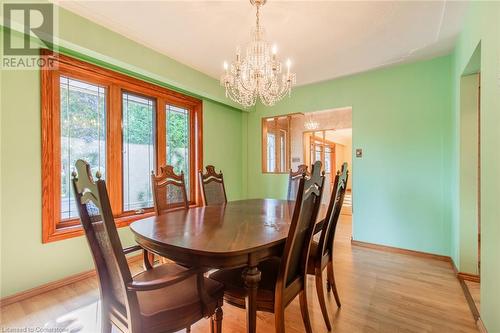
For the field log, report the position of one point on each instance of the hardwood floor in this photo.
(475, 291)
(380, 292)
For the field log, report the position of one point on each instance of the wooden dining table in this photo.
(236, 234)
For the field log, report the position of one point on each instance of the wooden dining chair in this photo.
(321, 254)
(293, 181)
(212, 184)
(169, 190)
(166, 298)
(283, 278)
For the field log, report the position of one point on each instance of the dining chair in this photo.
(321, 254)
(166, 298)
(293, 181)
(212, 184)
(169, 190)
(282, 279)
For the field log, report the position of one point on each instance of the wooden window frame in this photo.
(277, 152)
(53, 227)
(323, 142)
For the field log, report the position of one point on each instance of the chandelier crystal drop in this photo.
(258, 73)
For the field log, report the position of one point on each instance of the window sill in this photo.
(70, 231)
(75, 230)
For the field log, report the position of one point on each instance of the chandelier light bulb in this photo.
(226, 66)
(238, 53)
(275, 49)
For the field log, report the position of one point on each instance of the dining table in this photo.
(230, 235)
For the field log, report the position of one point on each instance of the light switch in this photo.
(359, 152)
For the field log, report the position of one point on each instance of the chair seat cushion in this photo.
(177, 305)
(235, 291)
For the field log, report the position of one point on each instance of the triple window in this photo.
(124, 128)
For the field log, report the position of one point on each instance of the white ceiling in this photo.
(342, 136)
(324, 39)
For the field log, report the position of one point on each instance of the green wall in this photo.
(25, 261)
(401, 187)
(406, 188)
(79, 35)
(222, 146)
(481, 27)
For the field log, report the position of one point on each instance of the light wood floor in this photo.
(380, 292)
(475, 292)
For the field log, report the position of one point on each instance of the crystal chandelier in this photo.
(258, 73)
(311, 124)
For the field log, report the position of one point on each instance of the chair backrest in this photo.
(212, 184)
(333, 213)
(307, 204)
(293, 181)
(100, 230)
(169, 190)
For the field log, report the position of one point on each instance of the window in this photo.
(328, 158)
(178, 141)
(138, 155)
(283, 149)
(322, 150)
(275, 144)
(271, 152)
(83, 134)
(124, 127)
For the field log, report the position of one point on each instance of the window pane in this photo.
(138, 151)
(282, 151)
(317, 156)
(328, 155)
(178, 142)
(271, 152)
(83, 134)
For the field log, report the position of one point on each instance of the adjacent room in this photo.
(249, 166)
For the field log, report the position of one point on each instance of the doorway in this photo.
(324, 136)
(332, 147)
(469, 264)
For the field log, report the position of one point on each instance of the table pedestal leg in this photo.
(252, 278)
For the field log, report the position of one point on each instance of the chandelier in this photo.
(259, 72)
(311, 124)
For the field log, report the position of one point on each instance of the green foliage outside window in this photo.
(79, 121)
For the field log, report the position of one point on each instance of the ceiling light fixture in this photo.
(258, 72)
(311, 124)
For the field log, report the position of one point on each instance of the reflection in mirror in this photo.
(276, 144)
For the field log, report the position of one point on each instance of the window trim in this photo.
(53, 228)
